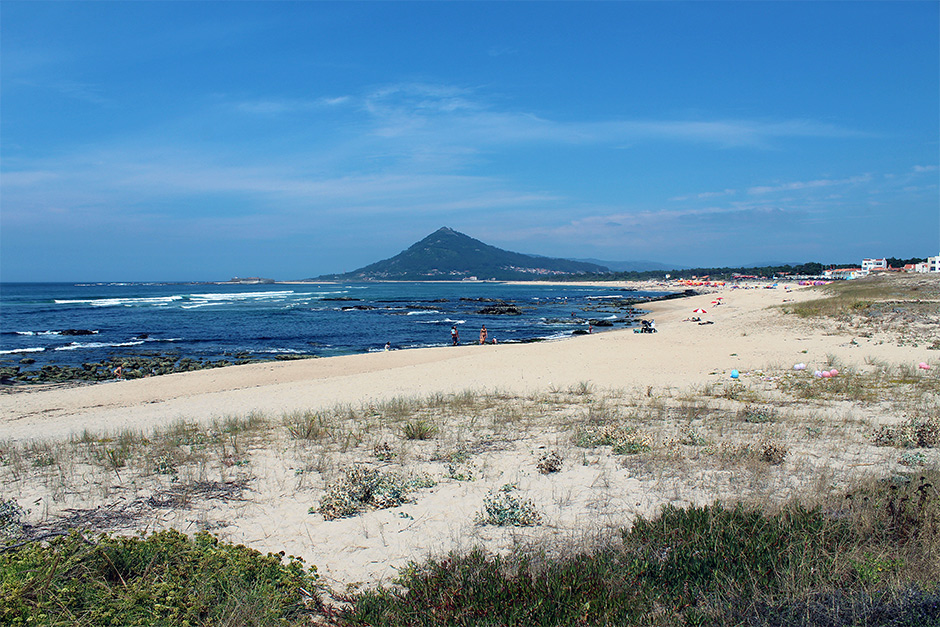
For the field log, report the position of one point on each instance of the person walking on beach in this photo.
(483, 335)
(453, 335)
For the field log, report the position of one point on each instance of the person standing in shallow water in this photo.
(483, 335)
(453, 335)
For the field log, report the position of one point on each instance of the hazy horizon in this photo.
(144, 141)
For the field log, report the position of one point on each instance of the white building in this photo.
(874, 264)
(844, 273)
(933, 264)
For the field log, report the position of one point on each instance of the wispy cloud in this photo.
(816, 184)
(274, 106)
(706, 195)
(405, 149)
(446, 112)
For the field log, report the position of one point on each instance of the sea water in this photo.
(214, 321)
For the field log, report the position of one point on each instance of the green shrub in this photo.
(871, 563)
(364, 486)
(166, 579)
(502, 508)
(622, 439)
(307, 425)
(419, 429)
(913, 433)
(11, 519)
(549, 463)
(757, 414)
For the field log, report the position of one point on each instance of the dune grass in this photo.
(871, 296)
(867, 559)
(837, 548)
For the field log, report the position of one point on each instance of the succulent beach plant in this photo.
(502, 507)
(364, 486)
(549, 463)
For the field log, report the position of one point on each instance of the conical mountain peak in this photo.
(447, 254)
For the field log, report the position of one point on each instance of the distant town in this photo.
(870, 266)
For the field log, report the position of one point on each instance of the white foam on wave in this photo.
(444, 321)
(198, 305)
(23, 350)
(424, 345)
(242, 295)
(422, 313)
(41, 333)
(282, 351)
(118, 302)
(77, 345)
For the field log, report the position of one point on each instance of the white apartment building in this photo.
(874, 264)
(933, 264)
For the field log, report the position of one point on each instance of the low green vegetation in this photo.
(504, 507)
(865, 559)
(840, 554)
(364, 487)
(166, 579)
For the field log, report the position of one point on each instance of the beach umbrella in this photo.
(699, 310)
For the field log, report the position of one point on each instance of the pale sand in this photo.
(746, 335)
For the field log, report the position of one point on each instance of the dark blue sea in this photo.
(212, 321)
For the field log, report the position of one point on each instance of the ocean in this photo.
(71, 324)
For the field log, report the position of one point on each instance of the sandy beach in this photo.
(745, 334)
(594, 490)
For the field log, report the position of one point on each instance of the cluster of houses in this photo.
(881, 265)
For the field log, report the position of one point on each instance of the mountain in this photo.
(448, 255)
(635, 266)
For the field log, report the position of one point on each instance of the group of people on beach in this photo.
(455, 335)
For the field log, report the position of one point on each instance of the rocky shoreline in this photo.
(124, 367)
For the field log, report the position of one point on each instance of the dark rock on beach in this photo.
(127, 367)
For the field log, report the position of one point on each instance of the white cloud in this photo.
(705, 195)
(275, 106)
(445, 113)
(801, 185)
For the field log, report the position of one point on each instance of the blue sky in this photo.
(204, 140)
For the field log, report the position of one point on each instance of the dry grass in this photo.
(763, 440)
(902, 309)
